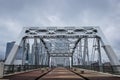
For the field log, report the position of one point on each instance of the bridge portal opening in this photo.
(60, 62)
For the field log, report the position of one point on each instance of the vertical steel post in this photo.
(99, 54)
(50, 62)
(48, 59)
(36, 51)
(80, 51)
(27, 53)
(70, 59)
(85, 52)
(1, 69)
(24, 49)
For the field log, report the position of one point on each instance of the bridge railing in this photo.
(106, 69)
(9, 69)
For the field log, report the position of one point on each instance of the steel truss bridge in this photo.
(62, 46)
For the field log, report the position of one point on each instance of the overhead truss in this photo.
(69, 33)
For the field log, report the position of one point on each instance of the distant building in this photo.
(9, 47)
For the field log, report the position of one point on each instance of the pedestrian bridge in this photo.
(61, 53)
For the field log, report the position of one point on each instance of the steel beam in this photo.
(60, 55)
(85, 52)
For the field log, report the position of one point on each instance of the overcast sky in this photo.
(16, 14)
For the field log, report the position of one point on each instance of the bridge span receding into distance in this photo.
(74, 53)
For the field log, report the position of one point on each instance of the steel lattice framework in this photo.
(61, 42)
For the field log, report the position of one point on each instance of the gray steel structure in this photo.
(74, 37)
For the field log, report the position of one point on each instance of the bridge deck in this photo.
(94, 75)
(32, 75)
(63, 74)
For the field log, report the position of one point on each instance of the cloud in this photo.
(14, 15)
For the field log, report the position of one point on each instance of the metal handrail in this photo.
(106, 69)
(8, 69)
